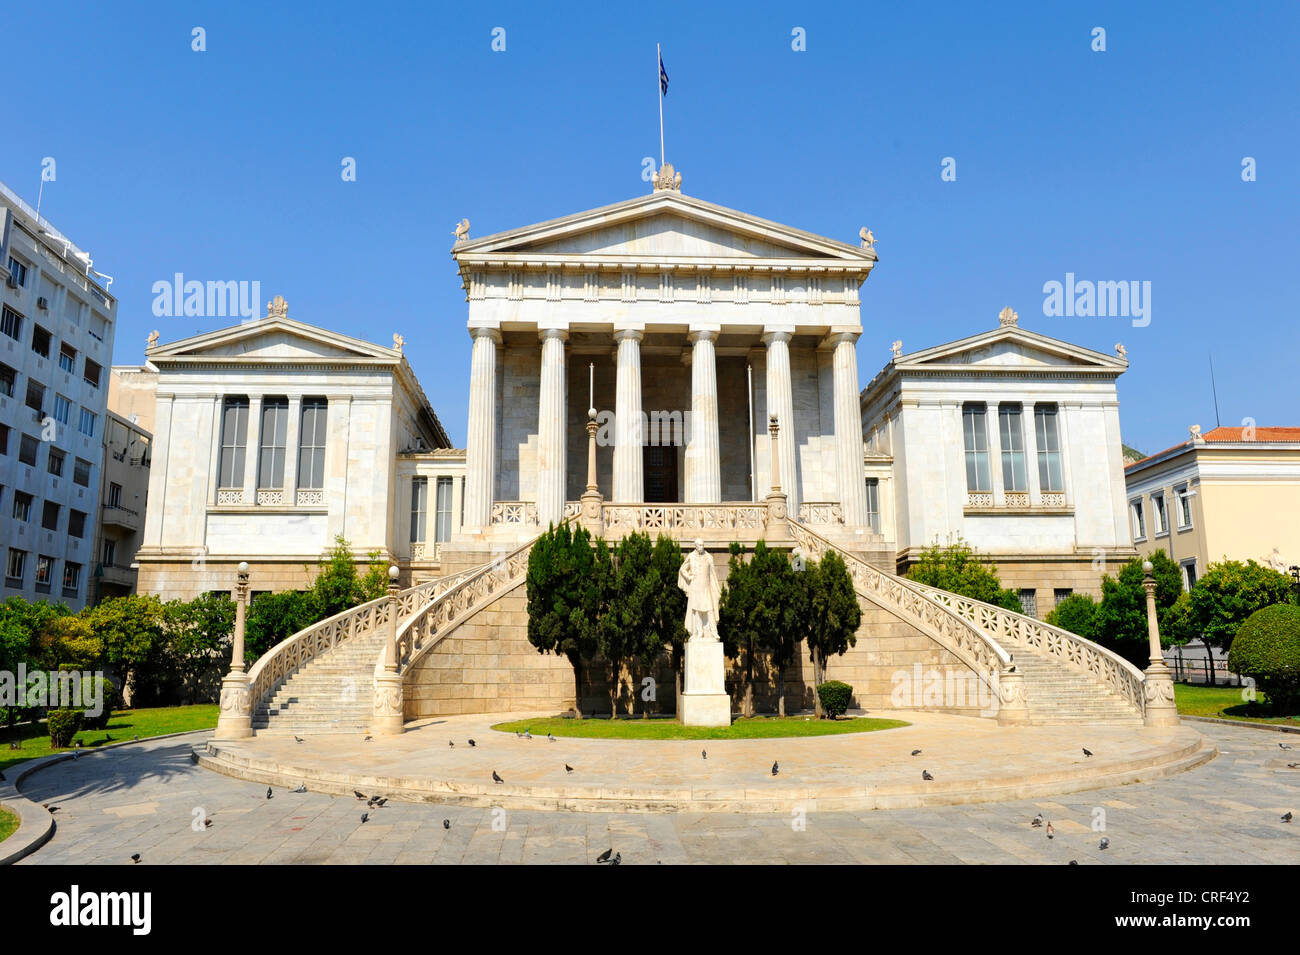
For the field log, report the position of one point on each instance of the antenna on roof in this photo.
(1214, 391)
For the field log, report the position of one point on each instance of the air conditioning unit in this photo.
(43, 303)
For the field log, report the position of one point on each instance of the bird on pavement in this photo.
(207, 823)
(604, 856)
(359, 794)
(364, 817)
(1293, 765)
(550, 738)
(528, 734)
(269, 794)
(1284, 745)
(1086, 752)
(916, 752)
(379, 803)
(617, 860)
(568, 768)
(302, 788)
(1051, 831)
(297, 739)
(450, 744)
(135, 857)
(1288, 817)
(496, 778)
(1073, 862)
(776, 768)
(368, 739)
(446, 824)
(704, 754)
(472, 743)
(48, 808)
(1037, 821)
(1104, 844)
(925, 774)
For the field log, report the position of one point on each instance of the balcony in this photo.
(114, 515)
(115, 575)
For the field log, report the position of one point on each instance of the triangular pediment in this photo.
(1010, 347)
(272, 339)
(664, 226)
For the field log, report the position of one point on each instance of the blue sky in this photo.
(1116, 165)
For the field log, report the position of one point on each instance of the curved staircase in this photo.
(322, 680)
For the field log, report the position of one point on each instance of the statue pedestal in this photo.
(704, 700)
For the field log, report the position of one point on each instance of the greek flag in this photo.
(663, 76)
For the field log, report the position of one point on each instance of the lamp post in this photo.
(1158, 687)
(236, 718)
(388, 717)
(777, 526)
(592, 501)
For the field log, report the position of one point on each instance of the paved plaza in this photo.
(145, 798)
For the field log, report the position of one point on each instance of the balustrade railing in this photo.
(821, 512)
(695, 517)
(520, 513)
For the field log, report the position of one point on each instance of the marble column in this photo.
(703, 454)
(848, 429)
(252, 448)
(550, 428)
(780, 402)
(481, 441)
(629, 484)
(292, 443)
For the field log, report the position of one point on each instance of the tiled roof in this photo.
(1261, 434)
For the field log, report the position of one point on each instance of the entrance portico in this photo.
(685, 326)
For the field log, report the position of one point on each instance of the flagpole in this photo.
(659, 59)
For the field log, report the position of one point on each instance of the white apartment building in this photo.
(56, 345)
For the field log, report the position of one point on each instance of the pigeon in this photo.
(472, 744)
(925, 774)
(207, 823)
(1051, 831)
(379, 803)
(776, 768)
(302, 788)
(75, 757)
(368, 739)
(496, 778)
(704, 754)
(1073, 862)
(568, 768)
(1104, 844)
(1293, 765)
(135, 857)
(1037, 821)
(604, 856)
(269, 794)
(297, 739)
(1288, 817)
(527, 734)
(518, 735)
(916, 752)
(550, 738)
(359, 794)
(364, 817)
(49, 808)
(370, 803)
(617, 860)
(1284, 745)
(450, 744)
(15, 746)
(446, 824)
(1086, 752)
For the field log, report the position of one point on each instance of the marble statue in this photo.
(1121, 350)
(462, 230)
(152, 340)
(897, 348)
(868, 239)
(699, 580)
(1007, 317)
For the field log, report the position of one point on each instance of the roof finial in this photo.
(462, 230)
(868, 239)
(1007, 317)
(667, 179)
(277, 308)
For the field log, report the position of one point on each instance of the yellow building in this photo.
(1232, 493)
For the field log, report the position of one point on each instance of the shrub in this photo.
(835, 697)
(1267, 648)
(1075, 613)
(106, 690)
(64, 724)
(957, 568)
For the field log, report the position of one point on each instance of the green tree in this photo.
(957, 568)
(833, 615)
(566, 599)
(631, 636)
(275, 617)
(1227, 594)
(1120, 623)
(760, 613)
(133, 629)
(199, 638)
(669, 613)
(1267, 648)
(1076, 613)
(337, 586)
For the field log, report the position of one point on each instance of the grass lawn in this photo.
(758, 727)
(1223, 702)
(160, 721)
(8, 823)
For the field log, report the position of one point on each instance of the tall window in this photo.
(1158, 512)
(44, 571)
(67, 358)
(76, 523)
(1012, 434)
(17, 565)
(274, 434)
(1049, 448)
(22, 506)
(90, 374)
(17, 271)
(419, 507)
(35, 396)
(1184, 507)
(234, 437)
(71, 578)
(50, 516)
(1139, 520)
(62, 408)
(976, 437)
(81, 472)
(1029, 602)
(54, 462)
(1189, 573)
(311, 444)
(110, 552)
(6, 380)
(873, 504)
(11, 323)
(87, 423)
(41, 341)
(442, 524)
(114, 495)
(27, 448)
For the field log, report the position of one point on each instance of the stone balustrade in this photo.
(514, 513)
(704, 520)
(821, 512)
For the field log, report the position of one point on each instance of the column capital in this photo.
(697, 335)
(486, 331)
(629, 334)
(561, 333)
(772, 335)
(840, 337)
